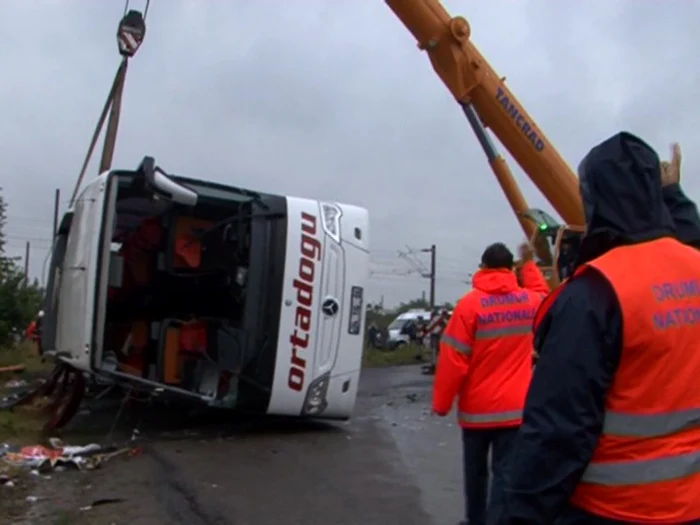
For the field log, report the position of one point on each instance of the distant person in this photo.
(410, 330)
(33, 330)
(30, 332)
(421, 326)
(435, 328)
(373, 335)
(485, 361)
(610, 430)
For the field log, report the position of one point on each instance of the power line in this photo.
(414, 279)
(14, 219)
(27, 238)
(410, 257)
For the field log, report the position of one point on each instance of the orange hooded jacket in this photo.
(486, 350)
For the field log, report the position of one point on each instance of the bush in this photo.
(19, 300)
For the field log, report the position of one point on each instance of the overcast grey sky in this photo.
(330, 99)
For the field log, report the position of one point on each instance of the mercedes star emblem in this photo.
(330, 306)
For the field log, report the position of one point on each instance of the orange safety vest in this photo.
(646, 465)
(494, 332)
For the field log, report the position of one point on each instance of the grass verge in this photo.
(23, 424)
(403, 355)
(22, 354)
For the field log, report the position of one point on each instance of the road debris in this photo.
(58, 455)
(100, 502)
(13, 368)
(16, 383)
(19, 392)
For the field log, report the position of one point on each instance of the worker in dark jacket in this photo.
(569, 420)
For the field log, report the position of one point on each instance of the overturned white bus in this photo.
(235, 298)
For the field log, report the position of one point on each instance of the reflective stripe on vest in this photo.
(646, 471)
(459, 346)
(646, 464)
(495, 417)
(650, 425)
(646, 426)
(492, 333)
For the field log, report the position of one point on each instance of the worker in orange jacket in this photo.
(30, 331)
(611, 427)
(485, 361)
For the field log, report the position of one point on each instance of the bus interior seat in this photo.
(184, 252)
(138, 340)
(183, 346)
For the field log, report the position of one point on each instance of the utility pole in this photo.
(26, 264)
(56, 204)
(432, 252)
(430, 368)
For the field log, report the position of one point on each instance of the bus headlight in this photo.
(330, 215)
(315, 402)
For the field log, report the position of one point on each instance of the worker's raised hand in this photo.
(671, 170)
(526, 252)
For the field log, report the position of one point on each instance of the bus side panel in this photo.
(299, 318)
(79, 275)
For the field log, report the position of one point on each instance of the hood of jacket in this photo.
(620, 183)
(495, 281)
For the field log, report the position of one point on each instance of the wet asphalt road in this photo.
(392, 463)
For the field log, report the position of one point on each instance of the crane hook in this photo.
(131, 31)
(145, 11)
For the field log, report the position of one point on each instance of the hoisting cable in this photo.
(108, 103)
(130, 34)
(113, 122)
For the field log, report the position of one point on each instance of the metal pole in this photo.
(432, 277)
(56, 204)
(433, 342)
(26, 264)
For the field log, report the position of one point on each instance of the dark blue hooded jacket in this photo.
(579, 339)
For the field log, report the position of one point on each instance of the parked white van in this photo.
(396, 337)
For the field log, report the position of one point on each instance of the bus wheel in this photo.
(65, 395)
(49, 387)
